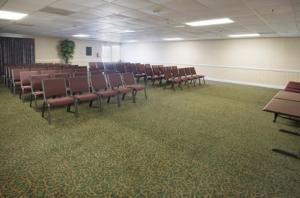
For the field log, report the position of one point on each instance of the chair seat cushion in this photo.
(198, 76)
(38, 93)
(26, 87)
(136, 87)
(107, 93)
(53, 102)
(86, 96)
(123, 90)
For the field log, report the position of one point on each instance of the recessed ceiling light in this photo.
(127, 31)
(173, 39)
(210, 22)
(243, 35)
(179, 26)
(11, 15)
(81, 35)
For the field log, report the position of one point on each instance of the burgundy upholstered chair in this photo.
(36, 87)
(130, 82)
(115, 82)
(55, 95)
(80, 90)
(194, 74)
(25, 77)
(101, 88)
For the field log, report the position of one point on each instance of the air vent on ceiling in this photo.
(58, 11)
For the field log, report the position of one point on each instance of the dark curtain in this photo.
(16, 51)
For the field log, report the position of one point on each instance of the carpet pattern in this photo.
(203, 141)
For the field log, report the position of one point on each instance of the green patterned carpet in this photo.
(203, 141)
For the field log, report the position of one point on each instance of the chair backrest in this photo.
(79, 74)
(188, 71)
(129, 78)
(141, 68)
(155, 70)
(54, 87)
(114, 80)
(175, 71)
(121, 68)
(79, 85)
(293, 86)
(98, 82)
(100, 66)
(161, 69)
(149, 71)
(181, 72)
(61, 75)
(16, 73)
(36, 81)
(48, 71)
(128, 67)
(193, 71)
(168, 74)
(25, 77)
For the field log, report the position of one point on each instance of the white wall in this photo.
(46, 51)
(263, 61)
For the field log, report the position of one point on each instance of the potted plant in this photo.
(66, 50)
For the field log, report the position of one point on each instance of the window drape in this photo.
(16, 51)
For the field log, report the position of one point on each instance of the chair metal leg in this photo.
(35, 102)
(133, 93)
(49, 115)
(204, 81)
(31, 100)
(43, 110)
(20, 95)
(76, 108)
(108, 99)
(99, 103)
(123, 96)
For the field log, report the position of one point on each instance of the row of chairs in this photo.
(70, 91)
(8, 69)
(154, 73)
(20, 77)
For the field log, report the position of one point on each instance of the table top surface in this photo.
(286, 107)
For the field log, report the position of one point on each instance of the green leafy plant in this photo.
(66, 50)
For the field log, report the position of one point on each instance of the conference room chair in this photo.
(140, 72)
(55, 95)
(115, 82)
(194, 74)
(184, 78)
(101, 88)
(170, 79)
(16, 81)
(150, 74)
(36, 87)
(190, 76)
(80, 90)
(130, 82)
(25, 77)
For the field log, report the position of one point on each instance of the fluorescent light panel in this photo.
(7, 15)
(173, 39)
(243, 35)
(210, 22)
(81, 35)
(127, 31)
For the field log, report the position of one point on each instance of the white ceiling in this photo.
(153, 20)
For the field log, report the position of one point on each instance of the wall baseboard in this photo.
(246, 83)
